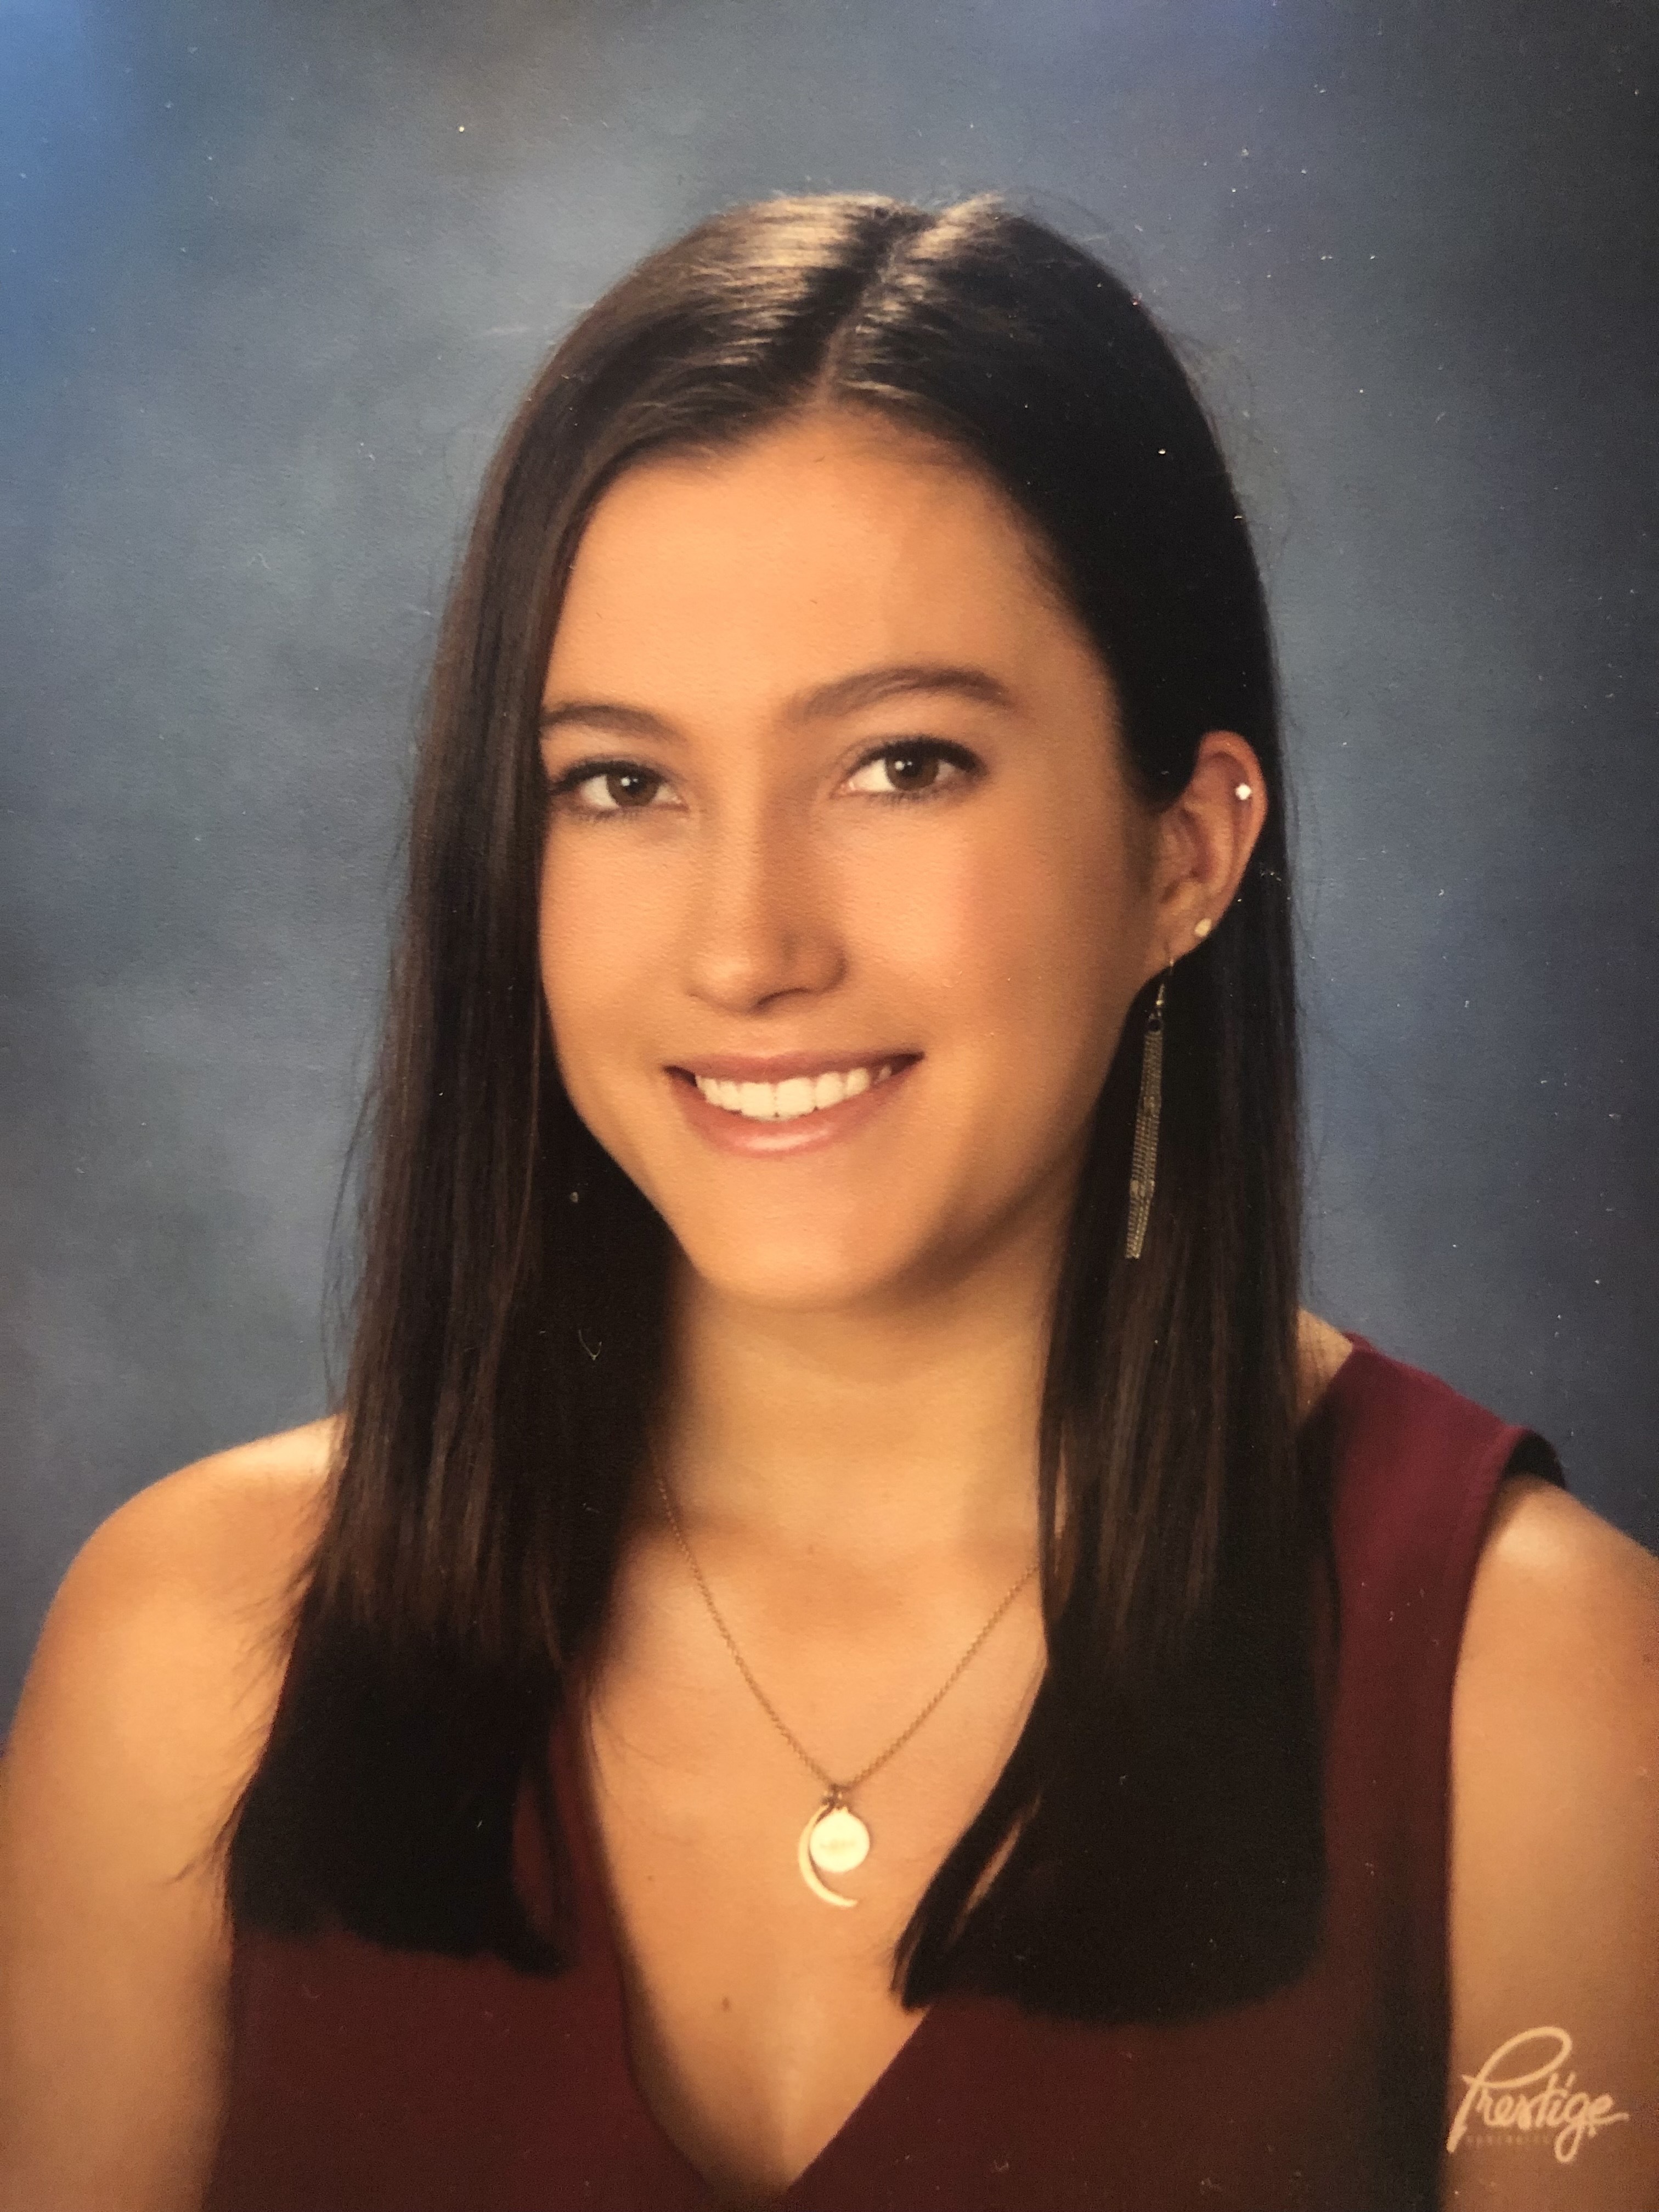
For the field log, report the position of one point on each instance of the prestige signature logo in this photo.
(1499, 2101)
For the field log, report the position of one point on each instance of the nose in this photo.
(762, 914)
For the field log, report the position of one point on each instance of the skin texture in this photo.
(856, 1351)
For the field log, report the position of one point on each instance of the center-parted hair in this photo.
(1161, 1811)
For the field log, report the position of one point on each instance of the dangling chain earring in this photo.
(1143, 1160)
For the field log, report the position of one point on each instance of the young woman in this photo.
(850, 1643)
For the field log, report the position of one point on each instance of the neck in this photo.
(862, 1436)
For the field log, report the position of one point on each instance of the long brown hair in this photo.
(1163, 1802)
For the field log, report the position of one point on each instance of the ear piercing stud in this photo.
(1202, 926)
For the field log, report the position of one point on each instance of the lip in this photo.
(827, 1125)
(779, 1067)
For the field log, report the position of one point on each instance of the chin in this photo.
(800, 1274)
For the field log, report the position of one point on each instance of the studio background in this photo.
(272, 277)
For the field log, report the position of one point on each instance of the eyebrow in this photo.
(847, 695)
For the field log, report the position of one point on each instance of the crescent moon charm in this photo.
(836, 1839)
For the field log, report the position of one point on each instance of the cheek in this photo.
(1025, 943)
(599, 939)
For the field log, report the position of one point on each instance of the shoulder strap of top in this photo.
(1416, 1467)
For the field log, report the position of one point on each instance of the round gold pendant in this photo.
(834, 1841)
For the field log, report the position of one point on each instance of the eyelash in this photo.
(566, 785)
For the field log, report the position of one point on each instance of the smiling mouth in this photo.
(797, 1095)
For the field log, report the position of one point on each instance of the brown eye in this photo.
(607, 787)
(630, 787)
(912, 770)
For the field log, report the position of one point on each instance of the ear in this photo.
(1204, 842)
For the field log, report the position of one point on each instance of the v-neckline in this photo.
(597, 1938)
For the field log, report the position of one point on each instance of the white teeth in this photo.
(797, 1094)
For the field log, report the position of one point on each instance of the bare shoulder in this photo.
(1554, 1866)
(186, 1587)
(148, 1700)
(1560, 1594)
(194, 1571)
(157, 1670)
(230, 1529)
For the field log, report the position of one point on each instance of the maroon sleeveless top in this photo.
(364, 2080)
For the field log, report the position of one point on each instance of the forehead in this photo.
(828, 541)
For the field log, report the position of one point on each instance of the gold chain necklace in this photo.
(835, 1840)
